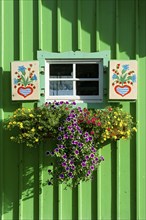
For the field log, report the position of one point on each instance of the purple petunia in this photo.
(71, 175)
(73, 167)
(76, 152)
(48, 153)
(93, 149)
(67, 168)
(96, 159)
(61, 175)
(74, 142)
(64, 164)
(92, 167)
(86, 157)
(80, 145)
(64, 156)
(91, 155)
(71, 162)
(73, 103)
(61, 102)
(61, 146)
(59, 137)
(60, 128)
(65, 136)
(101, 158)
(83, 164)
(68, 119)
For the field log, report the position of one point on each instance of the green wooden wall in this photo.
(119, 189)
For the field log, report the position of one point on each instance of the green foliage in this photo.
(79, 133)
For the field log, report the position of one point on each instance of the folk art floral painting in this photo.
(123, 80)
(25, 80)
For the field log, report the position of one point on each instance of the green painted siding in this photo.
(119, 187)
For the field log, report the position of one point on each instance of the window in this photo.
(74, 79)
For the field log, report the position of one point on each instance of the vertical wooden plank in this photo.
(97, 26)
(9, 152)
(88, 25)
(67, 25)
(106, 183)
(48, 25)
(65, 203)
(27, 168)
(106, 26)
(99, 187)
(21, 147)
(40, 25)
(1, 108)
(141, 118)
(59, 26)
(79, 17)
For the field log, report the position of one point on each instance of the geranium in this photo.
(111, 123)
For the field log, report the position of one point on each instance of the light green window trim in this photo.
(46, 59)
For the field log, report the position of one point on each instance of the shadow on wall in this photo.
(105, 28)
(101, 26)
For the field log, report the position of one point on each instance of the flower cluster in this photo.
(33, 126)
(78, 134)
(107, 124)
(77, 157)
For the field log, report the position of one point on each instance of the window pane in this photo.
(87, 71)
(61, 70)
(61, 88)
(87, 88)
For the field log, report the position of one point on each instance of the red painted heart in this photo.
(122, 90)
(25, 91)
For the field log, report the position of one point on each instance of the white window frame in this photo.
(77, 98)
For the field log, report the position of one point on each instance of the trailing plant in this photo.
(79, 133)
(111, 123)
(34, 126)
(75, 153)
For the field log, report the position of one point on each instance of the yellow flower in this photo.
(21, 125)
(128, 132)
(36, 140)
(14, 123)
(135, 129)
(121, 124)
(31, 115)
(33, 129)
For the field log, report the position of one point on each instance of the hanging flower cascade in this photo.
(79, 133)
